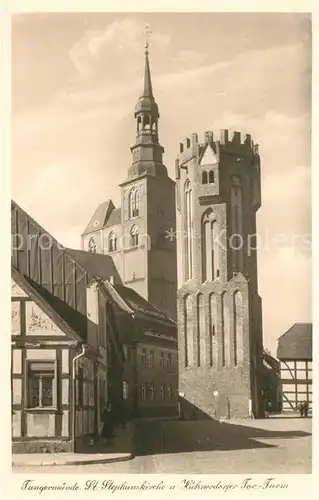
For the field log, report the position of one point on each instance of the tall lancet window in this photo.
(188, 331)
(224, 347)
(200, 344)
(237, 238)
(212, 329)
(210, 247)
(133, 203)
(238, 325)
(188, 231)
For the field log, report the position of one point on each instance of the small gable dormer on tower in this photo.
(208, 161)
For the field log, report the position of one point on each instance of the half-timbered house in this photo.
(67, 358)
(295, 355)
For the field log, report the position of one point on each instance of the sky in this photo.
(77, 77)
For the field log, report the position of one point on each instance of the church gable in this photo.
(209, 157)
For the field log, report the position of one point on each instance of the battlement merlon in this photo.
(231, 142)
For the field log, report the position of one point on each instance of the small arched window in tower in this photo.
(139, 122)
(92, 245)
(147, 124)
(204, 177)
(211, 177)
(134, 236)
(112, 242)
(133, 203)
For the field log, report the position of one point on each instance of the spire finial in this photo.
(147, 33)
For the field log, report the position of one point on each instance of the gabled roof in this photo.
(57, 313)
(140, 305)
(97, 265)
(100, 217)
(296, 343)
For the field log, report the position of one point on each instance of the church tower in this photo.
(219, 309)
(137, 235)
(148, 210)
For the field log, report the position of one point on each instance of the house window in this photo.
(169, 361)
(125, 390)
(112, 242)
(92, 245)
(128, 354)
(151, 359)
(134, 203)
(162, 360)
(162, 392)
(41, 384)
(169, 392)
(143, 357)
(152, 392)
(143, 392)
(134, 236)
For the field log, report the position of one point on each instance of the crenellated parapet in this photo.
(226, 142)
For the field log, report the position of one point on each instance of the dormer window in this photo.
(112, 242)
(204, 177)
(92, 245)
(134, 203)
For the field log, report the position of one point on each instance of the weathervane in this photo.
(147, 33)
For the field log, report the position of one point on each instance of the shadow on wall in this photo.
(208, 434)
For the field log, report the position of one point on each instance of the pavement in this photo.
(52, 459)
(100, 453)
(277, 445)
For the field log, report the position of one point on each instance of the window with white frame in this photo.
(41, 384)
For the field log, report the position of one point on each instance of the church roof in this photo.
(97, 265)
(296, 343)
(100, 217)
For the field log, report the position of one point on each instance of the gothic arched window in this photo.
(92, 245)
(133, 203)
(237, 224)
(211, 177)
(238, 325)
(134, 236)
(210, 247)
(188, 231)
(112, 242)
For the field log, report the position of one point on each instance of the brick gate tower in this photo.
(219, 309)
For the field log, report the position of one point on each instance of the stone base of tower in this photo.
(217, 393)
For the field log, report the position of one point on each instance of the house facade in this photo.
(65, 351)
(295, 356)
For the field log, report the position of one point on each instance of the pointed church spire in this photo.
(148, 91)
(147, 151)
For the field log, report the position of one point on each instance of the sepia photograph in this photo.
(161, 254)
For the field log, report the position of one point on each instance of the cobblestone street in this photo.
(275, 445)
